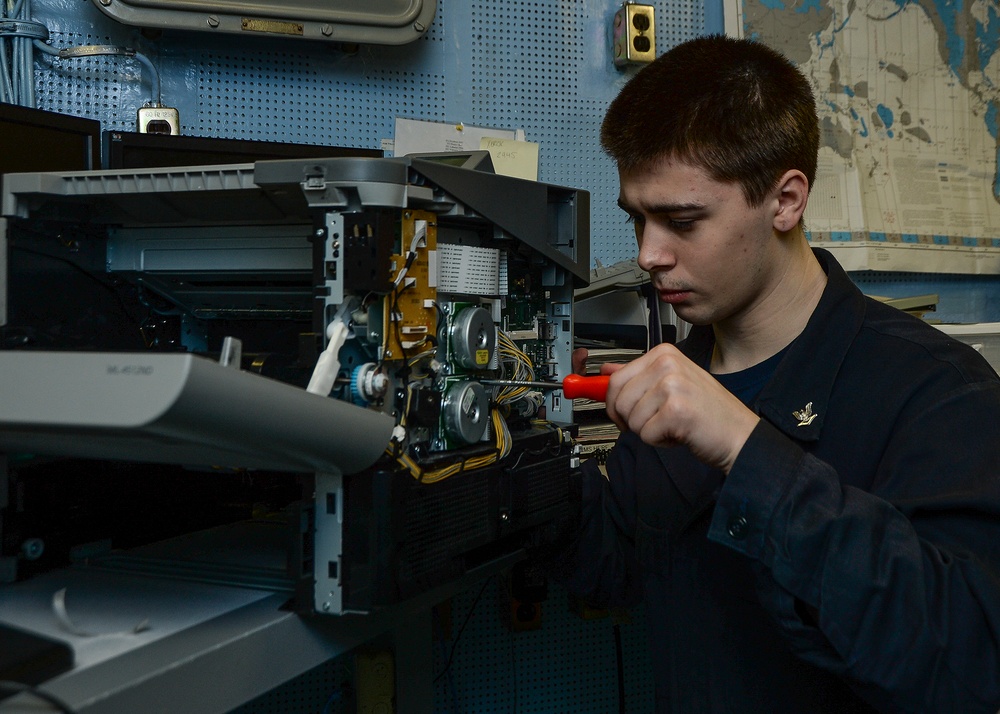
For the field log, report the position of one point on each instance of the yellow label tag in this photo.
(280, 27)
(482, 356)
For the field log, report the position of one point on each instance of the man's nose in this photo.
(654, 250)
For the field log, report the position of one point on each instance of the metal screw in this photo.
(327, 30)
(505, 516)
(419, 26)
(105, 3)
(213, 21)
(326, 607)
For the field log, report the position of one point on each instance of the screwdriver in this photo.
(574, 386)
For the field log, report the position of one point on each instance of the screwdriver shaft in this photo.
(574, 385)
(520, 383)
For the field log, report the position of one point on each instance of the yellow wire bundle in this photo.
(515, 365)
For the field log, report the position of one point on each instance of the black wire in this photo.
(621, 668)
(397, 328)
(392, 324)
(439, 630)
(19, 688)
(81, 270)
(472, 609)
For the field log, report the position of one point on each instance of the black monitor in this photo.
(38, 140)
(132, 150)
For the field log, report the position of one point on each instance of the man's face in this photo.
(709, 254)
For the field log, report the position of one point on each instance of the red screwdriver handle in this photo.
(595, 387)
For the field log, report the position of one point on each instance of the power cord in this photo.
(439, 631)
(20, 35)
(107, 50)
(458, 636)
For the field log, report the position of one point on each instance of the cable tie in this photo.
(95, 50)
(24, 28)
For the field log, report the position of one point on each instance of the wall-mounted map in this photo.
(909, 103)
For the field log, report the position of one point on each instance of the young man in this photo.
(806, 491)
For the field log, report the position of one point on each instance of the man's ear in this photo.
(793, 193)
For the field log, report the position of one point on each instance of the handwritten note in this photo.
(419, 136)
(511, 157)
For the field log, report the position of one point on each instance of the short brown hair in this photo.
(737, 108)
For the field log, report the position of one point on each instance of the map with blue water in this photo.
(908, 95)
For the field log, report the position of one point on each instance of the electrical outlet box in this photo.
(154, 119)
(375, 681)
(634, 35)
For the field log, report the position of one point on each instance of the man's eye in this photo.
(680, 225)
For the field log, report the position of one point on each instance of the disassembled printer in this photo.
(345, 318)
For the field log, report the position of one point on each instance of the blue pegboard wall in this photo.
(961, 298)
(540, 65)
(567, 666)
